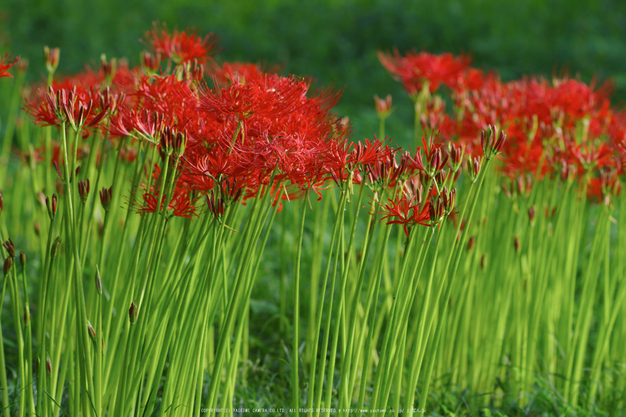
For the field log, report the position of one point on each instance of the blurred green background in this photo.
(335, 41)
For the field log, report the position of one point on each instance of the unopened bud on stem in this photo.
(132, 313)
(98, 281)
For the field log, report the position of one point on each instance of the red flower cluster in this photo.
(548, 123)
(244, 131)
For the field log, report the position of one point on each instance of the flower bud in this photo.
(22, 65)
(531, 214)
(8, 263)
(383, 107)
(10, 247)
(106, 196)
(471, 242)
(22, 259)
(516, 243)
(473, 168)
(48, 365)
(51, 204)
(108, 68)
(456, 156)
(98, 281)
(83, 189)
(132, 313)
(492, 142)
(26, 315)
(55, 248)
(92, 332)
(150, 63)
(52, 58)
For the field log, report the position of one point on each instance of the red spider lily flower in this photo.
(591, 154)
(433, 159)
(368, 152)
(268, 96)
(145, 123)
(167, 95)
(229, 73)
(408, 211)
(414, 69)
(76, 107)
(386, 172)
(180, 47)
(154, 102)
(617, 133)
(182, 204)
(5, 65)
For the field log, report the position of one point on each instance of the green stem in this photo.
(295, 386)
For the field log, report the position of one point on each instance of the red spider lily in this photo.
(5, 65)
(181, 204)
(78, 108)
(617, 133)
(433, 159)
(229, 73)
(155, 102)
(408, 211)
(146, 124)
(266, 128)
(368, 152)
(166, 95)
(591, 154)
(180, 47)
(269, 96)
(414, 69)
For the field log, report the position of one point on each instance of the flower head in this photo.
(5, 65)
(180, 47)
(416, 69)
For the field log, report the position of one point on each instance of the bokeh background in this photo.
(335, 41)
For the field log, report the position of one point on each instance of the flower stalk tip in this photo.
(132, 313)
(98, 281)
(8, 263)
(52, 58)
(106, 196)
(83, 189)
(51, 204)
(55, 247)
(91, 331)
(10, 247)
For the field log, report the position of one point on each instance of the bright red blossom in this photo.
(180, 47)
(5, 65)
(414, 69)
